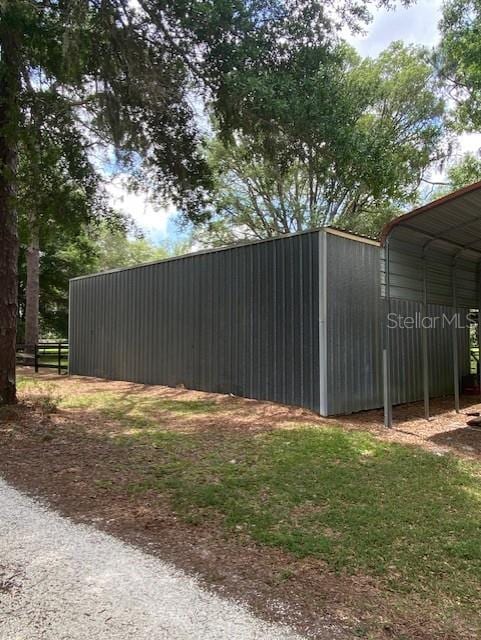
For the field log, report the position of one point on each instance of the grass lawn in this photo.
(407, 518)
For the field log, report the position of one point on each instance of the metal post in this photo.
(479, 351)
(386, 353)
(424, 337)
(323, 390)
(59, 358)
(455, 342)
(478, 280)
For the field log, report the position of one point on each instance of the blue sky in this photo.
(416, 24)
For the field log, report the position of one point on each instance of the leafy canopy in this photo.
(133, 74)
(465, 172)
(350, 143)
(97, 247)
(57, 184)
(459, 59)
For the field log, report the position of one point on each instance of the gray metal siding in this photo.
(257, 321)
(442, 272)
(406, 353)
(242, 320)
(354, 336)
(353, 356)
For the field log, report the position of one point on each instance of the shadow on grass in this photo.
(138, 408)
(359, 503)
(465, 439)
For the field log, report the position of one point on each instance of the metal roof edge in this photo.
(386, 230)
(201, 252)
(348, 235)
(328, 229)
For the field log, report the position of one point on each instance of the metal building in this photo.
(297, 319)
(432, 257)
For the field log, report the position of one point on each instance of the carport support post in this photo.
(478, 365)
(386, 352)
(424, 337)
(455, 341)
(478, 284)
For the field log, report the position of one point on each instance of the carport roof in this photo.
(451, 224)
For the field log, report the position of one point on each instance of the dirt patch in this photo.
(72, 458)
(446, 430)
(10, 580)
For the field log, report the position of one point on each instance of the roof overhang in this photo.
(451, 224)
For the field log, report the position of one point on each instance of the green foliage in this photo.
(130, 72)
(115, 248)
(97, 63)
(96, 248)
(459, 59)
(467, 171)
(57, 184)
(458, 175)
(354, 138)
(63, 257)
(268, 59)
(59, 191)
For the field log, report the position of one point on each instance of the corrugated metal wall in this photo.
(353, 349)
(443, 272)
(406, 352)
(354, 335)
(242, 320)
(246, 321)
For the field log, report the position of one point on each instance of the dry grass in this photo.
(376, 531)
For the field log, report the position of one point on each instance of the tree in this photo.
(120, 79)
(464, 172)
(97, 246)
(127, 72)
(64, 256)
(367, 131)
(10, 44)
(458, 59)
(128, 247)
(58, 192)
(459, 174)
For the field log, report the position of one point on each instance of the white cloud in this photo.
(469, 142)
(151, 218)
(416, 24)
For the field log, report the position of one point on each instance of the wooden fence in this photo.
(44, 355)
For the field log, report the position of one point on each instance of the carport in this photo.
(431, 260)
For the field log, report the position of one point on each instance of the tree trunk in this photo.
(32, 293)
(9, 91)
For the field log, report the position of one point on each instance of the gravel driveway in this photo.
(60, 580)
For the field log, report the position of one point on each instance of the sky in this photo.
(417, 24)
(154, 220)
